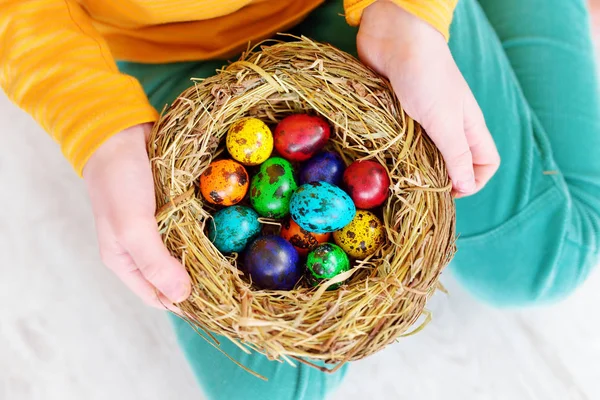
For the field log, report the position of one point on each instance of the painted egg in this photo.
(224, 182)
(326, 261)
(298, 137)
(326, 166)
(249, 141)
(232, 228)
(321, 207)
(367, 182)
(272, 188)
(273, 263)
(361, 237)
(303, 240)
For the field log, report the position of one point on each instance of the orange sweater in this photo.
(57, 56)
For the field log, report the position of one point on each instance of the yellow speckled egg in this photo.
(249, 141)
(362, 236)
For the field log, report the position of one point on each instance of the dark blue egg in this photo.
(326, 166)
(273, 263)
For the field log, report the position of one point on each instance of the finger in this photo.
(143, 242)
(485, 155)
(122, 265)
(136, 282)
(447, 133)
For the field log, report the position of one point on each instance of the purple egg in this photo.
(273, 263)
(326, 166)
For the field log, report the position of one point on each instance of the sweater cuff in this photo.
(116, 117)
(437, 13)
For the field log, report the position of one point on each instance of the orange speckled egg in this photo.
(304, 241)
(224, 182)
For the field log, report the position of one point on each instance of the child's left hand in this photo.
(119, 181)
(416, 59)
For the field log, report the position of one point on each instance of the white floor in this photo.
(70, 331)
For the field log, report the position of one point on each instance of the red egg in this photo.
(304, 241)
(367, 183)
(300, 136)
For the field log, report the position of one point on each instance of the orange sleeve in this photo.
(55, 66)
(436, 12)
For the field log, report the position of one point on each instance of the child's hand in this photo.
(121, 188)
(416, 59)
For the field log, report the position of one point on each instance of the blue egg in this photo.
(232, 228)
(273, 263)
(321, 207)
(326, 166)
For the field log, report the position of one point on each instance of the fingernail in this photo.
(465, 186)
(183, 293)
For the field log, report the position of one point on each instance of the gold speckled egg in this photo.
(249, 141)
(362, 236)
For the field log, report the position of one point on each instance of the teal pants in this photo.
(533, 234)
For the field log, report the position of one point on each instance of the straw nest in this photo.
(386, 293)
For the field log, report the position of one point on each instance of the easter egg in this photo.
(321, 207)
(326, 166)
(300, 136)
(249, 141)
(273, 263)
(303, 240)
(272, 188)
(224, 182)
(232, 228)
(367, 182)
(361, 237)
(326, 261)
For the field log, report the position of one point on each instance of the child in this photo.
(530, 236)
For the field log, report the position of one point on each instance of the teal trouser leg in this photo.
(221, 379)
(529, 237)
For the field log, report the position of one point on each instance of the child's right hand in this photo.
(121, 188)
(416, 59)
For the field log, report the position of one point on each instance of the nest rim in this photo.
(385, 294)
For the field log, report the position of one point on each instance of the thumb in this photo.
(145, 246)
(486, 159)
(447, 132)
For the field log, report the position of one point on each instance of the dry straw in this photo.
(385, 294)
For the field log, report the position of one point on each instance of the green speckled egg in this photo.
(272, 187)
(326, 261)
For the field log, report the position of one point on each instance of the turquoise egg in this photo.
(232, 228)
(272, 187)
(321, 207)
